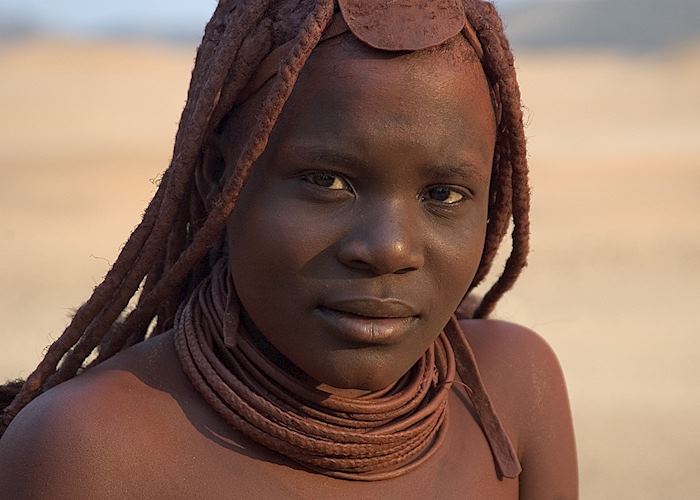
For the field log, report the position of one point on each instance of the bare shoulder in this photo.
(95, 422)
(513, 353)
(526, 382)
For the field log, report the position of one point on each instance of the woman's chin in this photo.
(357, 379)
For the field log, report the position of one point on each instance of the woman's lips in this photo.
(368, 320)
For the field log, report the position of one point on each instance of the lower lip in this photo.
(366, 330)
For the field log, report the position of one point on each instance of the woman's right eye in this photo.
(327, 180)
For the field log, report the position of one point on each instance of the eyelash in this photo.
(451, 190)
(314, 178)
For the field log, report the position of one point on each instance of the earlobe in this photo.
(211, 173)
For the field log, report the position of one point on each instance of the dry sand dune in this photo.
(614, 276)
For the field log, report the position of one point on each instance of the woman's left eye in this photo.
(444, 194)
(327, 180)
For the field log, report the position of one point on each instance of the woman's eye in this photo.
(328, 181)
(444, 194)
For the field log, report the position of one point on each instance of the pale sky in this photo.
(85, 16)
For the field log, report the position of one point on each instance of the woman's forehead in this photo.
(347, 84)
(346, 72)
(351, 93)
(351, 98)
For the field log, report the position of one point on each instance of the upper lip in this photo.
(372, 307)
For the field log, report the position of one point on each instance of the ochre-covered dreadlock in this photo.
(178, 240)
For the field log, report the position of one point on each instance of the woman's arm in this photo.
(548, 448)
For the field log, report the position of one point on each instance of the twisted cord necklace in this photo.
(380, 435)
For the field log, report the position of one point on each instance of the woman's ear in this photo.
(210, 175)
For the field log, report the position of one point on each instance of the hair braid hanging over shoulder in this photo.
(166, 256)
(510, 185)
(200, 105)
(142, 254)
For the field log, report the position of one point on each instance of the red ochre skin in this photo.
(342, 205)
(391, 136)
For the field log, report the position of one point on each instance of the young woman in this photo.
(306, 326)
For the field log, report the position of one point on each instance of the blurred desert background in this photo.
(87, 123)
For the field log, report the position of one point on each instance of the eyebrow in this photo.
(463, 170)
(330, 156)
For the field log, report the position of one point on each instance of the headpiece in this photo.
(391, 26)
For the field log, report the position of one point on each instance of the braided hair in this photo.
(180, 236)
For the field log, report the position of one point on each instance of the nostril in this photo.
(405, 270)
(379, 266)
(360, 264)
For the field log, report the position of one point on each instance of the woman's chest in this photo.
(265, 480)
(212, 461)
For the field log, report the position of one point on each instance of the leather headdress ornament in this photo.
(405, 25)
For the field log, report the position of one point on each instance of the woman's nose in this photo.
(385, 240)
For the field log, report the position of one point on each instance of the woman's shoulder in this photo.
(499, 344)
(516, 363)
(97, 422)
(527, 386)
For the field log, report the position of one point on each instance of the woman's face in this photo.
(363, 223)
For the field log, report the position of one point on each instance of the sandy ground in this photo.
(614, 276)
